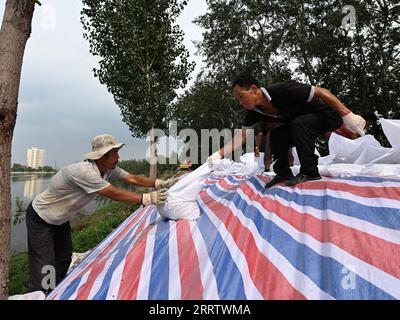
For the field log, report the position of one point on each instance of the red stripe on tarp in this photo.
(191, 285)
(133, 267)
(271, 283)
(367, 191)
(392, 193)
(98, 264)
(369, 248)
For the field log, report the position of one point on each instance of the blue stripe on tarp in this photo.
(96, 251)
(121, 252)
(378, 215)
(227, 275)
(71, 289)
(68, 291)
(159, 280)
(306, 260)
(370, 179)
(154, 216)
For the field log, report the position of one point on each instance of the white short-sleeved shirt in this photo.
(71, 189)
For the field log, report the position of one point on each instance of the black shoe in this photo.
(276, 180)
(301, 178)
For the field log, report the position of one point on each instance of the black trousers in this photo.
(48, 245)
(301, 133)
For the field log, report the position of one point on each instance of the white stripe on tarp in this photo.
(206, 269)
(239, 259)
(366, 201)
(110, 256)
(174, 283)
(83, 281)
(115, 283)
(104, 244)
(370, 273)
(145, 272)
(376, 276)
(378, 184)
(98, 282)
(297, 279)
(56, 294)
(390, 235)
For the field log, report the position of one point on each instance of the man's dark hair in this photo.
(245, 80)
(106, 155)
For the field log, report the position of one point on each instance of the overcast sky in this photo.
(61, 105)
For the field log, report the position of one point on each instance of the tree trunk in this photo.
(153, 155)
(14, 33)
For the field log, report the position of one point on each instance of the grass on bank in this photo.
(87, 232)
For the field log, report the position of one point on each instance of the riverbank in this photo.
(87, 232)
(19, 173)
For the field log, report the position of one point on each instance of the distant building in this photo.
(35, 158)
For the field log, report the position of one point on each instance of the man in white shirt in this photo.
(48, 216)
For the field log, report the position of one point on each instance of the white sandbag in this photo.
(391, 129)
(381, 170)
(346, 150)
(182, 196)
(249, 165)
(373, 153)
(392, 156)
(341, 170)
(36, 295)
(225, 167)
(329, 159)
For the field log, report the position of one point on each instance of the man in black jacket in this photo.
(307, 112)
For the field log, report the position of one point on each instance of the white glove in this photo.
(155, 197)
(354, 123)
(162, 184)
(214, 156)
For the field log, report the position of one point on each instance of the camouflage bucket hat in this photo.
(101, 144)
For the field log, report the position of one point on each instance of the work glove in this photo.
(155, 197)
(165, 184)
(214, 156)
(354, 123)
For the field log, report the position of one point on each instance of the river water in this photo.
(24, 187)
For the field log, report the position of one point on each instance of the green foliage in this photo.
(94, 228)
(268, 38)
(20, 209)
(141, 167)
(21, 168)
(143, 61)
(19, 274)
(301, 40)
(241, 36)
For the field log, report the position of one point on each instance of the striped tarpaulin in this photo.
(326, 239)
